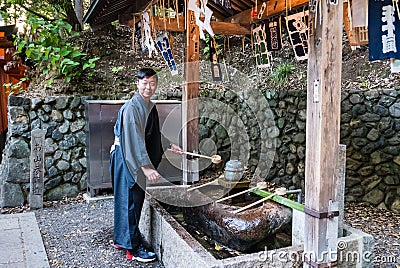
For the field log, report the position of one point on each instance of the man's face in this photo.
(147, 87)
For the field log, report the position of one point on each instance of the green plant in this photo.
(217, 44)
(53, 56)
(280, 75)
(17, 87)
(117, 69)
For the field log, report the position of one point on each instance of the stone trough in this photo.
(176, 248)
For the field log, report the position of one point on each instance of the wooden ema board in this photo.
(358, 35)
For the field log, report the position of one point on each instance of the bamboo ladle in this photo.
(260, 185)
(216, 159)
(278, 191)
(202, 185)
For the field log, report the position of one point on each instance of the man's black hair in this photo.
(146, 72)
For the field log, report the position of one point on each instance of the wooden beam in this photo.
(273, 7)
(219, 27)
(322, 132)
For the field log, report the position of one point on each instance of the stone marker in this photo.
(36, 169)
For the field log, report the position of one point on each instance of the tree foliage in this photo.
(52, 54)
(47, 10)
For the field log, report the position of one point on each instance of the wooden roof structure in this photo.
(103, 12)
(325, 33)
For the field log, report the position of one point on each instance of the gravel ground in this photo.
(383, 225)
(78, 234)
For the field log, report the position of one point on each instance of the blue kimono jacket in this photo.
(138, 131)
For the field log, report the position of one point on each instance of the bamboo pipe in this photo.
(281, 200)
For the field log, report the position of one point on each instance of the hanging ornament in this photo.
(148, 40)
(253, 13)
(262, 10)
(298, 33)
(165, 49)
(358, 13)
(203, 9)
(139, 36)
(260, 47)
(273, 35)
(215, 67)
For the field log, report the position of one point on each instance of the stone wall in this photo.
(370, 128)
(65, 154)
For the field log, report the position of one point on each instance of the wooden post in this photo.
(322, 132)
(190, 107)
(37, 169)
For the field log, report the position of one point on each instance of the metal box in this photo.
(100, 119)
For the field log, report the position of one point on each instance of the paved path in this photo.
(21, 245)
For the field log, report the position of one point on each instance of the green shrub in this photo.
(280, 75)
(53, 56)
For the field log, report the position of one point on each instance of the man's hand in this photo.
(176, 149)
(151, 174)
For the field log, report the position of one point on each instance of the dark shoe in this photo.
(140, 254)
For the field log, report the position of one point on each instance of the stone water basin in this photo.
(241, 231)
(176, 247)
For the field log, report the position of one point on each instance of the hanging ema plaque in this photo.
(273, 35)
(214, 60)
(298, 33)
(260, 47)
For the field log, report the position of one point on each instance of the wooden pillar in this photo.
(190, 107)
(322, 132)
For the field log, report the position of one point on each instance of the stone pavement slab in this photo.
(21, 245)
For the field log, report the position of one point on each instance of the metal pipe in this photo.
(296, 191)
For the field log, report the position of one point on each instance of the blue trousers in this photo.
(128, 201)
